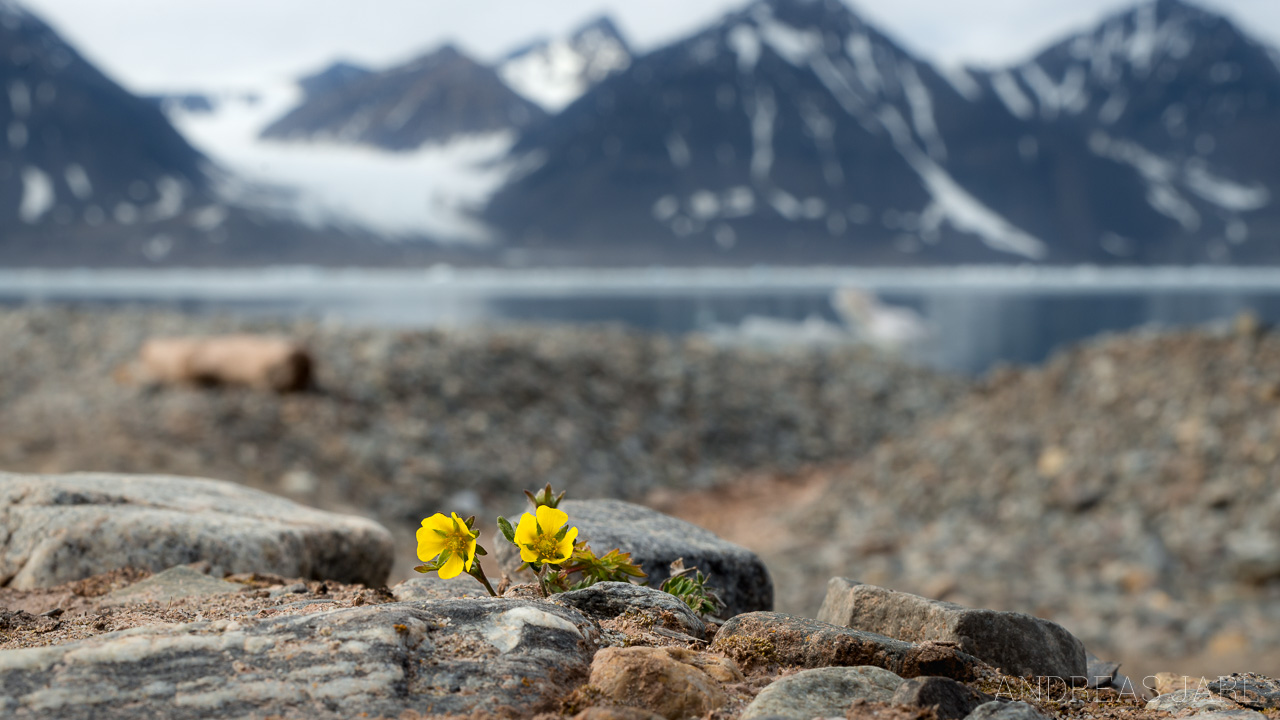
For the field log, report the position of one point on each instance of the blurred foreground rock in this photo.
(59, 528)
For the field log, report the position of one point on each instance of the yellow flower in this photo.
(439, 534)
(536, 536)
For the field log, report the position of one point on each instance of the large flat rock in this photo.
(656, 540)
(507, 658)
(68, 527)
(1016, 643)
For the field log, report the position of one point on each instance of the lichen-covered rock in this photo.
(1249, 689)
(1016, 643)
(668, 683)
(1191, 699)
(765, 638)
(606, 600)
(948, 699)
(822, 692)
(997, 710)
(510, 658)
(656, 540)
(68, 527)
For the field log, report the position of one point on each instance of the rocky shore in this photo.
(1127, 490)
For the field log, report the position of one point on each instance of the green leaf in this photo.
(481, 551)
(507, 531)
(441, 533)
(563, 531)
(424, 568)
(444, 557)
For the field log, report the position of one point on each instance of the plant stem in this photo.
(542, 582)
(477, 572)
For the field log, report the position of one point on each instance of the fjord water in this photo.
(961, 319)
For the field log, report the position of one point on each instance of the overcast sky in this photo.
(207, 44)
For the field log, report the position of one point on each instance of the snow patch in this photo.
(858, 47)
(678, 150)
(922, 112)
(793, 45)
(37, 194)
(1225, 193)
(1069, 96)
(78, 181)
(1158, 173)
(1011, 95)
(745, 43)
(965, 212)
(1113, 108)
(762, 112)
(962, 81)
(18, 135)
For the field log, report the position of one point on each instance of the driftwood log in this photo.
(256, 361)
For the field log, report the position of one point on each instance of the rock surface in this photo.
(656, 540)
(67, 527)
(607, 600)
(657, 680)
(1016, 710)
(768, 638)
(506, 657)
(948, 699)
(1249, 689)
(1197, 700)
(823, 692)
(172, 584)
(1016, 643)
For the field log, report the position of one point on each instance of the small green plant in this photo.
(690, 585)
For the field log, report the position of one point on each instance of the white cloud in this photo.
(164, 44)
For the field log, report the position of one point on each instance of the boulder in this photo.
(1018, 644)
(996, 710)
(508, 658)
(68, 527)
(1249, 689)
(1199, 701)
(1167, 682)
(823, 692)
(256, 361)
(430, 586)
(657, 679)
(607, 600)
(768, 638)
(948, 699)
(656, 540)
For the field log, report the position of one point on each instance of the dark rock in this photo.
(68, 527)
(502, 657)
(949, 699)
(1101, 673)
(1016, 643)
(996, 710)
(603, 601)
(768, 638)
(822, 692)
(1249, 689)
(656, 540)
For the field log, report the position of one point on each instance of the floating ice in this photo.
(37, 194)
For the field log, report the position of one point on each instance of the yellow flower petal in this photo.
(564, 548)
(527, 555)
(462, 526)
(471, 552)
(452, 567)
(551, 519)
(526, 531)
(438, 522)
(430, 544)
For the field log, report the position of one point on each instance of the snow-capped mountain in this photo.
(554, 73)
(429, 100)
(793, 131)
(334, 77)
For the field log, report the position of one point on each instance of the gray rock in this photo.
(1191, 699)
(949, 699)
(68, 527)
(1241, 714)
(1101, 673)
(656, 540)
(1249, 689)
(430, 586)
(769, 638)
(823, 692)
(502, 657)
(996, 710)
(1016, 643)
(604, 601)
(172, 584)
